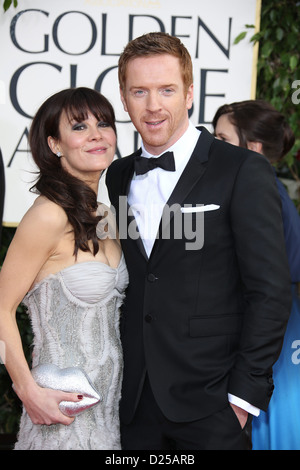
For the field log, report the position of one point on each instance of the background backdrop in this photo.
(48, 46)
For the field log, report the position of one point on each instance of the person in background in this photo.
(2, 192)
(257, 125)
(205, 312)
(71, 281)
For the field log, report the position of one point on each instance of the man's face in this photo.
(157, 101)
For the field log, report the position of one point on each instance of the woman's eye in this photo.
(78, 127)
(103, 124)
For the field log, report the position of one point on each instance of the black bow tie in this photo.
(143, 165)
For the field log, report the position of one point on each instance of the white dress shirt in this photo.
(147, 205)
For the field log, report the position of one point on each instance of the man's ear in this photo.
(190, 96)
(255, 146)
(123, 101)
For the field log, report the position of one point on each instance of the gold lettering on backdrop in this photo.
(125, 3)
(178, 23)
(88, 56)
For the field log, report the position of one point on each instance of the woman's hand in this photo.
(42, 406)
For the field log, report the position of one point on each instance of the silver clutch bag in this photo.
(70, 379)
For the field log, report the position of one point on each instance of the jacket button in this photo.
(148, 318)
(151, 277)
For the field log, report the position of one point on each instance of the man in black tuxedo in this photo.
(209, 293)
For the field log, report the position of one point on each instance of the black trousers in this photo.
(151, 430)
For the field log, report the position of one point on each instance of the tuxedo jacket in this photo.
(210, 321)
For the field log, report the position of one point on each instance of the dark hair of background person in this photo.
(77, 199)
(259, 121)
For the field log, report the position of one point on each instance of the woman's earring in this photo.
(58, 154)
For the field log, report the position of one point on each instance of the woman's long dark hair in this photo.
(77, 199)
(259, 121)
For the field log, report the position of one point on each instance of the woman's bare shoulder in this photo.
(47, 212)
(43, 221)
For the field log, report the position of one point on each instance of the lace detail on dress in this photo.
(75, 321)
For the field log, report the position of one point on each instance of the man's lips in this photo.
(154, 123)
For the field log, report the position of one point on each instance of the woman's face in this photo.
(87, 147)
(226, 131)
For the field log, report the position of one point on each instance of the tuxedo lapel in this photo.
(127, 173)
(126, 177)
(134, 229)
(192, 173)
(189, 178)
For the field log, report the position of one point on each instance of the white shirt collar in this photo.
(182, 149)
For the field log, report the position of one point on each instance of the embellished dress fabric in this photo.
(75, 321)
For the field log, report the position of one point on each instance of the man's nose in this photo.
(153, 102)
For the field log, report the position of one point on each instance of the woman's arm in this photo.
(35, 241)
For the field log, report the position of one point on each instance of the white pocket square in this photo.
(204, 208)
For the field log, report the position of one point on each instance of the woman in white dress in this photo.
(72, 281)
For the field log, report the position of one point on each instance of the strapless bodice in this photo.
(90, 281)
(75, 317)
